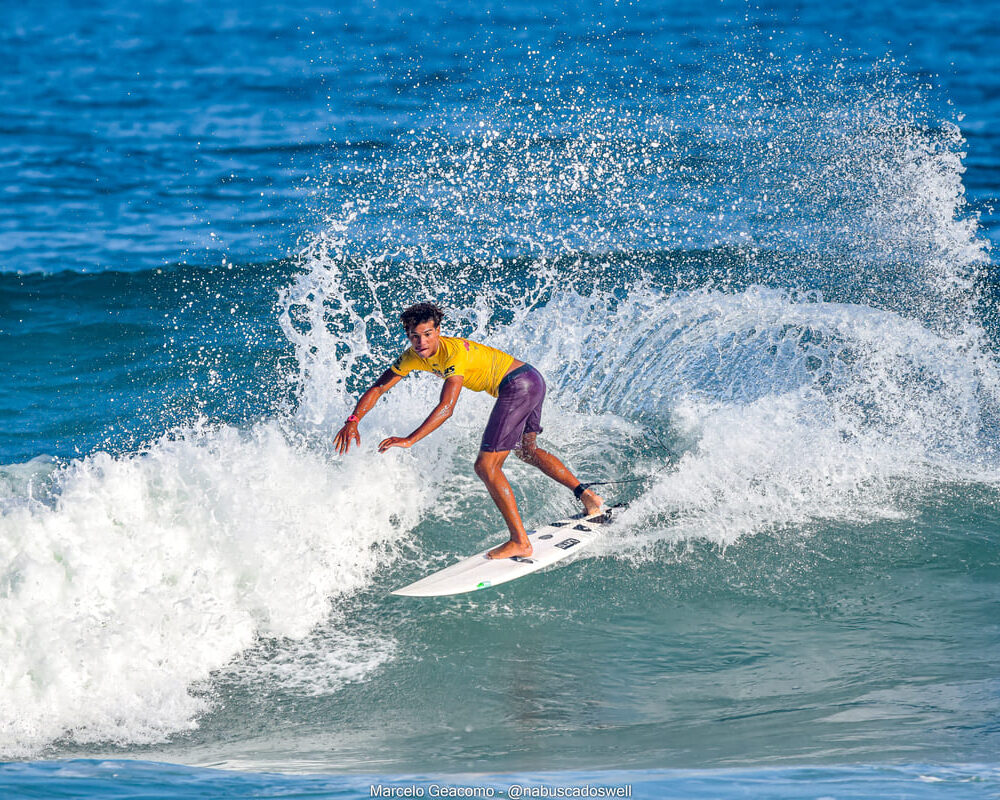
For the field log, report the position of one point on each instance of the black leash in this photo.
(581, 488)
(616, 482)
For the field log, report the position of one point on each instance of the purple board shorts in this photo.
(518, 409)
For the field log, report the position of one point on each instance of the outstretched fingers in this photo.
(393, 441)
(343, 439)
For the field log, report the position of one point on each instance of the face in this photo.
(425, 338)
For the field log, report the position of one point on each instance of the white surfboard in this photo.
(552, 543)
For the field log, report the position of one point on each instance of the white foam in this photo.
(146, 572)
(321, 663)
(788, 409)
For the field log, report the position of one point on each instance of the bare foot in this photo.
(510, 549)
(592, 502)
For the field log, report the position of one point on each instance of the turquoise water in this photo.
(750, 248)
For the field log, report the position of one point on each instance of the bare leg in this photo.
(555, 469)
(489, 469)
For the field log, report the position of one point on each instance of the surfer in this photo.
(514, 423)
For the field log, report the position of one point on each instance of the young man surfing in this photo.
(513, 425)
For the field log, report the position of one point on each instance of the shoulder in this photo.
(406, 361)
(457, 345)
(455, 349)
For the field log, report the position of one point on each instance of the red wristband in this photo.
(353, 418)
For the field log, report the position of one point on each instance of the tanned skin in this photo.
(425, 337)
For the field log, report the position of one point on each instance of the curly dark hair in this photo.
(419, 313)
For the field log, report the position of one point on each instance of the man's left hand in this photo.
(394, 441)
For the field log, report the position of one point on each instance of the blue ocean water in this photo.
(750, 246)
(139, 779)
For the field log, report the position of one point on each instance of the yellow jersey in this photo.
(482, 367)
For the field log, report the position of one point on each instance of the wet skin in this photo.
(425, 339)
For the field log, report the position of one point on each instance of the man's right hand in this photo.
(347, 433)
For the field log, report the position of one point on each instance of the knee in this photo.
(483, 469)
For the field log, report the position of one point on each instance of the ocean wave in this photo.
(780, 290)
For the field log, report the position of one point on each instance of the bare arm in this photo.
(349, 432)
(446, 405)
